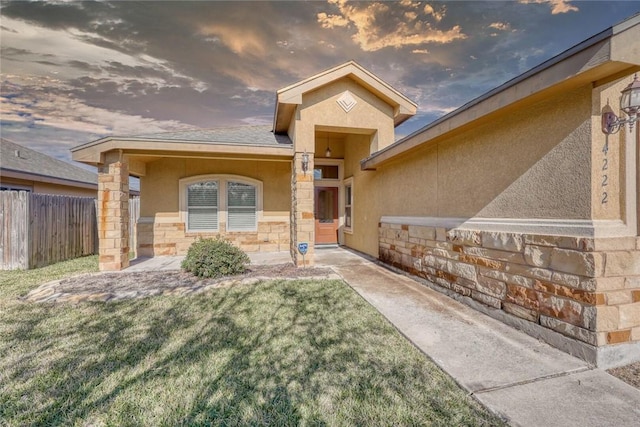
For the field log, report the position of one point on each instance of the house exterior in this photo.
(23, 169)
(516, 203)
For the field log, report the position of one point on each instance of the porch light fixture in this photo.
(305, 162)
(327, 153)
(629, 103)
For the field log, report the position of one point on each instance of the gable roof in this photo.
(21, 162)
(287, 98)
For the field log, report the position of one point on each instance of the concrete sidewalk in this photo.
(526, 381)
(167, 263)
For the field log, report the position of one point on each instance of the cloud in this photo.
(410, 3)
(503, 26)
(378, 26)
(258, 120)
(557, 6)
(438, 15)
(332, 21)
(240, 40)
(62, 111)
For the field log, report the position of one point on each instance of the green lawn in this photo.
(277, 353)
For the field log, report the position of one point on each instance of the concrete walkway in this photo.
(516, 376)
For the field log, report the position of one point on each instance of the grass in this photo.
(14, 283)
(277, 353)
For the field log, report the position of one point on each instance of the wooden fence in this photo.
(134, 214)
(41, 229)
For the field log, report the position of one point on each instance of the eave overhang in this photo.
(29, 176)
(93, 153)
(291, 96)
(612, 52)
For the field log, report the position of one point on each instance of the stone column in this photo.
(302, 217)
(113, 215)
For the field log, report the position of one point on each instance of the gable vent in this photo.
(347, 101)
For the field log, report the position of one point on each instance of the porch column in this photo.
(302, 218)
(113, 214)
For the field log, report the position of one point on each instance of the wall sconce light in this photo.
(305, 162)
(629, 103)
(327, 153)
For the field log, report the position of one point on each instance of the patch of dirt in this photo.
(139, 284)
(178, 279)
(629, 374)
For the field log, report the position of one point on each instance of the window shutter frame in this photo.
(202, 214)
(242, 206)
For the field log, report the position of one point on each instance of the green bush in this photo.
(214, 258)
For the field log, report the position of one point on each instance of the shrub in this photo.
(214, 258)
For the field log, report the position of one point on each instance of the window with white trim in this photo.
(348, 204)
(209, 201)
(241, 206)
(202, 206)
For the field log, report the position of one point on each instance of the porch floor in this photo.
(165, 263)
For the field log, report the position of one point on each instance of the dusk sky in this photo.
(73, 72)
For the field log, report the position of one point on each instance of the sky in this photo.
(73, 72)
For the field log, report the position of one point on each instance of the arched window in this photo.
(206, 201)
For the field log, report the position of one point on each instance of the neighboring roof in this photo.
(18, 161)
(287, 98)
(612, 51)
(250, 135)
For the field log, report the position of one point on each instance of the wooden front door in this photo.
(326, 213)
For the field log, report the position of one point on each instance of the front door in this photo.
(326, 213)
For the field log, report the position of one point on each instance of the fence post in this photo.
(134, 214)
(14, 225)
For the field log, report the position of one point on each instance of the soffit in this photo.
(94, 153)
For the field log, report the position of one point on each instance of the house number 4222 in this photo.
(605, 177)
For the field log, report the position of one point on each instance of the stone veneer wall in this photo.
(113, 216)
(170, 238)
(302, 215)
(583, 288)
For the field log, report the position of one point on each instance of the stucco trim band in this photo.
(562, 227)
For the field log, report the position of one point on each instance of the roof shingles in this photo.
(17, 158)
(250, 135)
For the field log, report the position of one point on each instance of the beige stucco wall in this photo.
(160, 187)
(532, 163)
(320, 111)
(608, 154)
(162, 228)
(57, 189)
